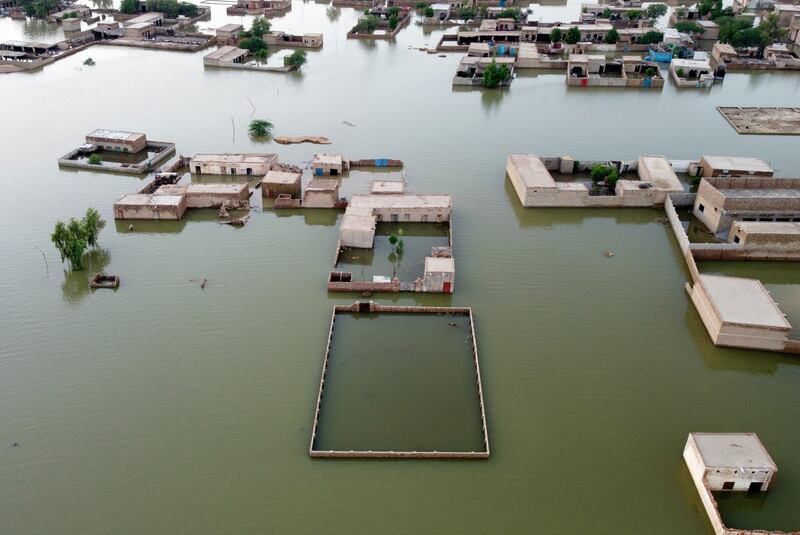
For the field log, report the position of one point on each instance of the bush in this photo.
(70, 15)
(393, 22)
(466, 12)
(89, 62)
(429, 11)
(367, 24)
(260, 128)
(654, 11)
(253, 44)
(555, 35)
(633, 14)
(510, 13)
(612, 36)
(686, 26)
(649, 72)
(129, 7)
(421, 5)
(296, 58)
(261, 55)
(651, 37)
(607, 13)
(679, 72)
(495, 74)
(95, 159)
(394, 10)
(71, 239)
(573, 36)
(172, 8)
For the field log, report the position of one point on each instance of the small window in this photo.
(736, 239)
(701, 207)
(728, 485)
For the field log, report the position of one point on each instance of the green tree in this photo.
(573, 36)
(296, 58)
(421, 5)
(129, 7)
(612, 36)
(261, 55)
(89, 62)
(555, 35)
(607, 13)
(429, 11)
(393, 22)
(651, 37)
(687, 26)
(650, 72)
(260, 27)
(397, 242)
(654, 11)
(495, 74)
(467, 12)
(253, 44)
(633, 14)
(510, 13)
(73, 238)
(95, 159)
(172, 8)
(367, 24)
(770, 26)
(394, 10)
(260, 128)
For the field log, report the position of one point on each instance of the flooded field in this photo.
(161, 407)
(386, 390)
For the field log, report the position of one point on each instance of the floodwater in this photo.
(166, 408)
(389, 390)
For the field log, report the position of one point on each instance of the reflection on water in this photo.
(76, 283)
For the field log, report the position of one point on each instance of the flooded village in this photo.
(233, 305)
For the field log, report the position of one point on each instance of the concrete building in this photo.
(209, 195)
(405, 207)
(321, 193)
(149, 206)
(388, 186)
(771, 235)
(283, 39)
(691, 73)
(225, 55)
(441, 13)
(138, 31)
(117, 140)
(439, 275)
(721, 201)
(259, 7)
(536, 187)
(328, 164)
(719, 166)
(596, 70)
(739, 312)
(281, 182)
(229, 32)
(736, 462)
(357, 228)
(471, 69)
(232, 164)
(785, 13)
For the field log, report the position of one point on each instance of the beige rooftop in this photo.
(769, 227)
(142, 199)
(227, 53)
(332, 159)
(743, 301)
(733, 450)
(740, 163)
(281, 177)
(532, 171)
(400, 201)
(234, 158)
(439, 265)
(660, 173)
(388, 186)
(317, 184)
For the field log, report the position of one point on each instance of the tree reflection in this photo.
(76, 283)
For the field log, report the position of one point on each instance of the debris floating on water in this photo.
(203, 283)
(288, 140)
(608, 253)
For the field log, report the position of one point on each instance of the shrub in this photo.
(649, 72)
(88, 61)
(654, 11)
(253, 44)
(260, 128)
(651, 37)
(393, 22)
(612, 36)
(129, 7)
(296, 58)
(260, 27)
(510, 13)
(686, 26)
(394, 10)
(367, 24)
(633, 14)
(172, 8)
(467, 12)
(95, 159)
(421, 5)
(555, 35)
(429, 11)
(679, 71)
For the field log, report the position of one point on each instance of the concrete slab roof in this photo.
(144, 199)
(744, 302)
(201, 189)
(234, 158)
(364, 223)
(691, 63)
(118, 135)
(400, 201)
(331, 159)
(768, 227)
(148, 18)
(661, 173)
(388, 186)
(230, 28)
(227, 53)
(532, 171)
(171, 189)
(317, 184)
(439, 265)
(281, 177)
(733, 450)
(738, 163)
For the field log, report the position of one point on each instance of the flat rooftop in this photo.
(281, 177)
(118, 135)
(331, 159)
(439, 265)
(388, 186)
(733, 450)
(691, 63)
(317, 184)
(144, 199)
(743, 301)
(737, 163)
(661, 173)
(227, 53)
(227, 189)
(146, 18)
(230, 28)
(758, 193)
(762, 120)
(768, 227)
(234, 158)
(400, 201)
(532, 171)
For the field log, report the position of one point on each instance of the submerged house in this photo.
(691, 73)
(598, 71)
(232, 164)
(283, 39)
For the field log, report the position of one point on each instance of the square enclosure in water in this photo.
(400, 382)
